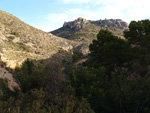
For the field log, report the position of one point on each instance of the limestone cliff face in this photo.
(80, 22)
(77, 24)
(118, 23)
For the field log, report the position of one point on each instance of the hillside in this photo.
(82, 30)
(6, 74)
(19, 41)
(113, 78)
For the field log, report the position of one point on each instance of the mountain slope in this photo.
(86, 30)
(6, 74)
(19, 41)
(83, 31)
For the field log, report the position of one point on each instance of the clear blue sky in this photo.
(51, 14)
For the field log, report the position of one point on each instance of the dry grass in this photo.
(21, 41)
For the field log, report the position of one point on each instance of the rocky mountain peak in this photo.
(77, 24)
(80, 22)
(111, 23)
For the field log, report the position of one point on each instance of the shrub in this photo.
(76, 57)
(15, 33)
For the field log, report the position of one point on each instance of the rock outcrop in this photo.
(77, 24)
(83, 48)
(112, 23)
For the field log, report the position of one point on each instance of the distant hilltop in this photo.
(83, 31)
(78, 23)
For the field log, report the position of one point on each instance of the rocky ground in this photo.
(19, 41)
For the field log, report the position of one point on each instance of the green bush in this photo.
(76, 57)
(43, 90)
(15, 33)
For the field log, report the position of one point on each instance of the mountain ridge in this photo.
(73, 30)
(77, 24)
(83, 31)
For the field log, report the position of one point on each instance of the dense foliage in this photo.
(43, 90)
(109, 49)
(115, 79)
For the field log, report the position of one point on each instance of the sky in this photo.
(49, 15)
